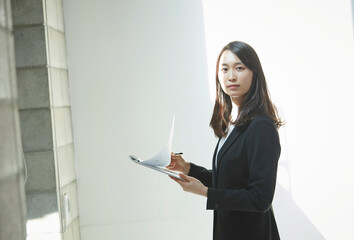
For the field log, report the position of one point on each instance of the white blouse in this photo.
(222, 141)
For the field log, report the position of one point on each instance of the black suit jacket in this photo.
(241, 188)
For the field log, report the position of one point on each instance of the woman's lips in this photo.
(233, 86)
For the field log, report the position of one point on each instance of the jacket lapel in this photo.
(213, 162)
(232, 138)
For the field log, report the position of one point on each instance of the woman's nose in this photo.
(232, 76)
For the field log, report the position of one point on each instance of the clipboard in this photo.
(156, 168)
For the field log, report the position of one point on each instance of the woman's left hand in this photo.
(191, 184)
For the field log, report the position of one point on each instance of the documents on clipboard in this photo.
(162, 159)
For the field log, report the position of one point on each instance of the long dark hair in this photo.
(255, 102)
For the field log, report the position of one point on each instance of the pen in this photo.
(178, 153)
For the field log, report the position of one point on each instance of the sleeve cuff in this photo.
(212, 203)
(192, 170)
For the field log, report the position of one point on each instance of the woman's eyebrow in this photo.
(236, 63)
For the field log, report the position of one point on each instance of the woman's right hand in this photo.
(179, 164)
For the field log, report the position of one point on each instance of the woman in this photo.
(241, 185)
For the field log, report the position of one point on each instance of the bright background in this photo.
(132, 64)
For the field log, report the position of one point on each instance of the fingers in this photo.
(176, 157)
(172, 165)
(174, 179)
(185, 177)
(180, 182)
(176, 162)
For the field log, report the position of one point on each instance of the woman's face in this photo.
(234, 77)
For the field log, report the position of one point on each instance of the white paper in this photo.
(163, 158)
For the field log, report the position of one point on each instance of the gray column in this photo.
(45, 119)
(12, 193)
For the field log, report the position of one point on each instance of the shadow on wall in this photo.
(292, 222)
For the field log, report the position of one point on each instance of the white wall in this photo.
(306, 49)
(133, 63)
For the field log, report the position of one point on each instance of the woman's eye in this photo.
(224, 69)
(239, 68)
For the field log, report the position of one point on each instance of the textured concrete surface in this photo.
(55, 17)
(66, 165)
(30, 46)
(57, 48)
(45, 116)
(60, 87)
(33, 89)
(68, 234)
(36, 130)
(73, 230)
(43, 214)
(63, 126)
(76, 229)
(41, 204)
(70, 190)
(41, 171)
(27, 12)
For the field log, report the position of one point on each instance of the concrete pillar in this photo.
(45, 119)
(12, 193)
